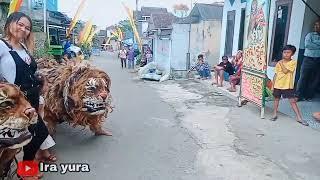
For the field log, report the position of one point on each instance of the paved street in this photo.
(183, 130)
(147, 142)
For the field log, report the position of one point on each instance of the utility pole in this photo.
(44, 16)
(189, 43)
(134, 19)
(29, 7)
(137, 5)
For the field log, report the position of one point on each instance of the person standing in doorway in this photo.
(123, 57)
(131, 58)
(283, 83)
(309, 73)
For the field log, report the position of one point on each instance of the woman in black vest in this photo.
(18, 67)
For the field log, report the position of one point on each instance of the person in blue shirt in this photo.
(309, 73)
(202, 67)
(66, 45)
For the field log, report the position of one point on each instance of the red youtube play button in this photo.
(27, 168)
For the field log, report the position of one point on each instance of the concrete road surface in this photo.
(147, 143)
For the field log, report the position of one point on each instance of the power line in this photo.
(310, 8)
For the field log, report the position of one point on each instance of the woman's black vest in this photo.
(25, 76)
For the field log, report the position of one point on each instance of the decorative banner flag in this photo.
(120, 34)
(85, 32)
(14, 6)
(133, 25)
(115, 34)
(93, 32)
(76, 17)
(253, 77)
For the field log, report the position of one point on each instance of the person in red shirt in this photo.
(235, 79)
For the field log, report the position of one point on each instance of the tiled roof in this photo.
(161, 21)
(208, 11)
(148, 11)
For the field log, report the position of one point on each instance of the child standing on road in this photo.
(283, 83)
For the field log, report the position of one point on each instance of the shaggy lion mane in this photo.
(66, 84)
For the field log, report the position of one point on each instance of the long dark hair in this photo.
(14, 18)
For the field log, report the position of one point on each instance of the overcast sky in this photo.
(109, 12)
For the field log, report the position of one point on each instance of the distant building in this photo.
(159, 31)
(52, 5)
(142, 19)
(206, 23)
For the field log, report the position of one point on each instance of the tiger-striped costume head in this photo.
(78, 94)
(16, 114)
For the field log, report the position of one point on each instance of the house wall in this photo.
(237, 6)
(162, 52)
(144, 27)
(205, 39)
(180, 40)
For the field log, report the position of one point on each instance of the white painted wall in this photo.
(162, 50)
(180, 40)
(144, 27)
(205, 39)
(237, 6)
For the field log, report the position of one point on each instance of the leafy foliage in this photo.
(42, 52)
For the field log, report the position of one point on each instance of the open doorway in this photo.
(229, 33)
(280, 31)
(241, 32)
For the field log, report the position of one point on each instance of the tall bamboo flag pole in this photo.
(14, 6)
(93, 32)
(120, 34)
(133, 25)
(115, 34)
(85, 32)
(76, 17)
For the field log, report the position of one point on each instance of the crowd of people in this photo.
(229, 69)
(128, 56)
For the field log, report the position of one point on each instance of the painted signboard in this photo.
(255, 51)
(252, 88)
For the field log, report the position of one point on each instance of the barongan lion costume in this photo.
(78, 94)
(16, 115)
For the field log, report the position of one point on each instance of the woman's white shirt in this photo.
(7, 64)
